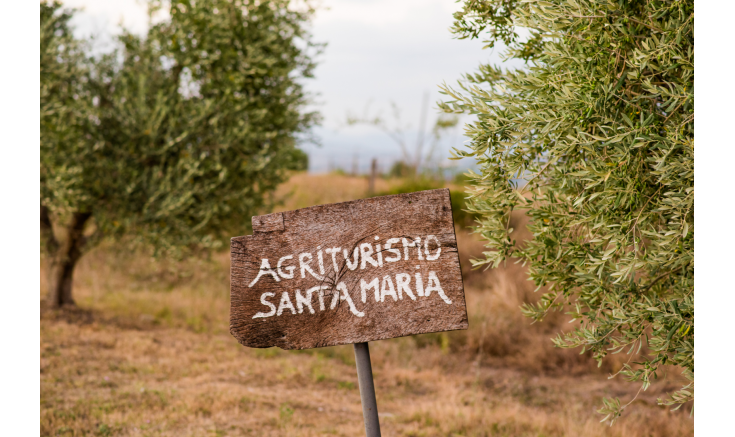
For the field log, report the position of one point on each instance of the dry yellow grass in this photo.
(305, 189)
(148, 353)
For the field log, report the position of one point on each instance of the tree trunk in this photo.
(63, 260)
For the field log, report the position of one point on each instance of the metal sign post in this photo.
(349, 273)
(367, 390)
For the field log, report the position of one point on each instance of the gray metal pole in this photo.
(367, 390)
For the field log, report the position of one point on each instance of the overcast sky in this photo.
(377, 51)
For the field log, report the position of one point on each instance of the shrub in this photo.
(461, 215)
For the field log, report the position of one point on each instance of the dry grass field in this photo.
(148, 353)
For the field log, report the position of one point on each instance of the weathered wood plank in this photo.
(348, 272)
(268, 223)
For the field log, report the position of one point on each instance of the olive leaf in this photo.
(599, 125)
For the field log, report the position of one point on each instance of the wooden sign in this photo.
(348, 272)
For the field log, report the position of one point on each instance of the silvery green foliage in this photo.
(178, 136)
(66, 106)
(600, 123)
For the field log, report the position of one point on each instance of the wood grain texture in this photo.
(322, 304)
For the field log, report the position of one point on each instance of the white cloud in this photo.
(382, 12)
(98, 16)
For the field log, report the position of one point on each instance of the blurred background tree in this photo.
(416, 161)
(600, 126)
(176, 137)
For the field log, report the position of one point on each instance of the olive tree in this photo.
(174, 138)
(599, 124)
